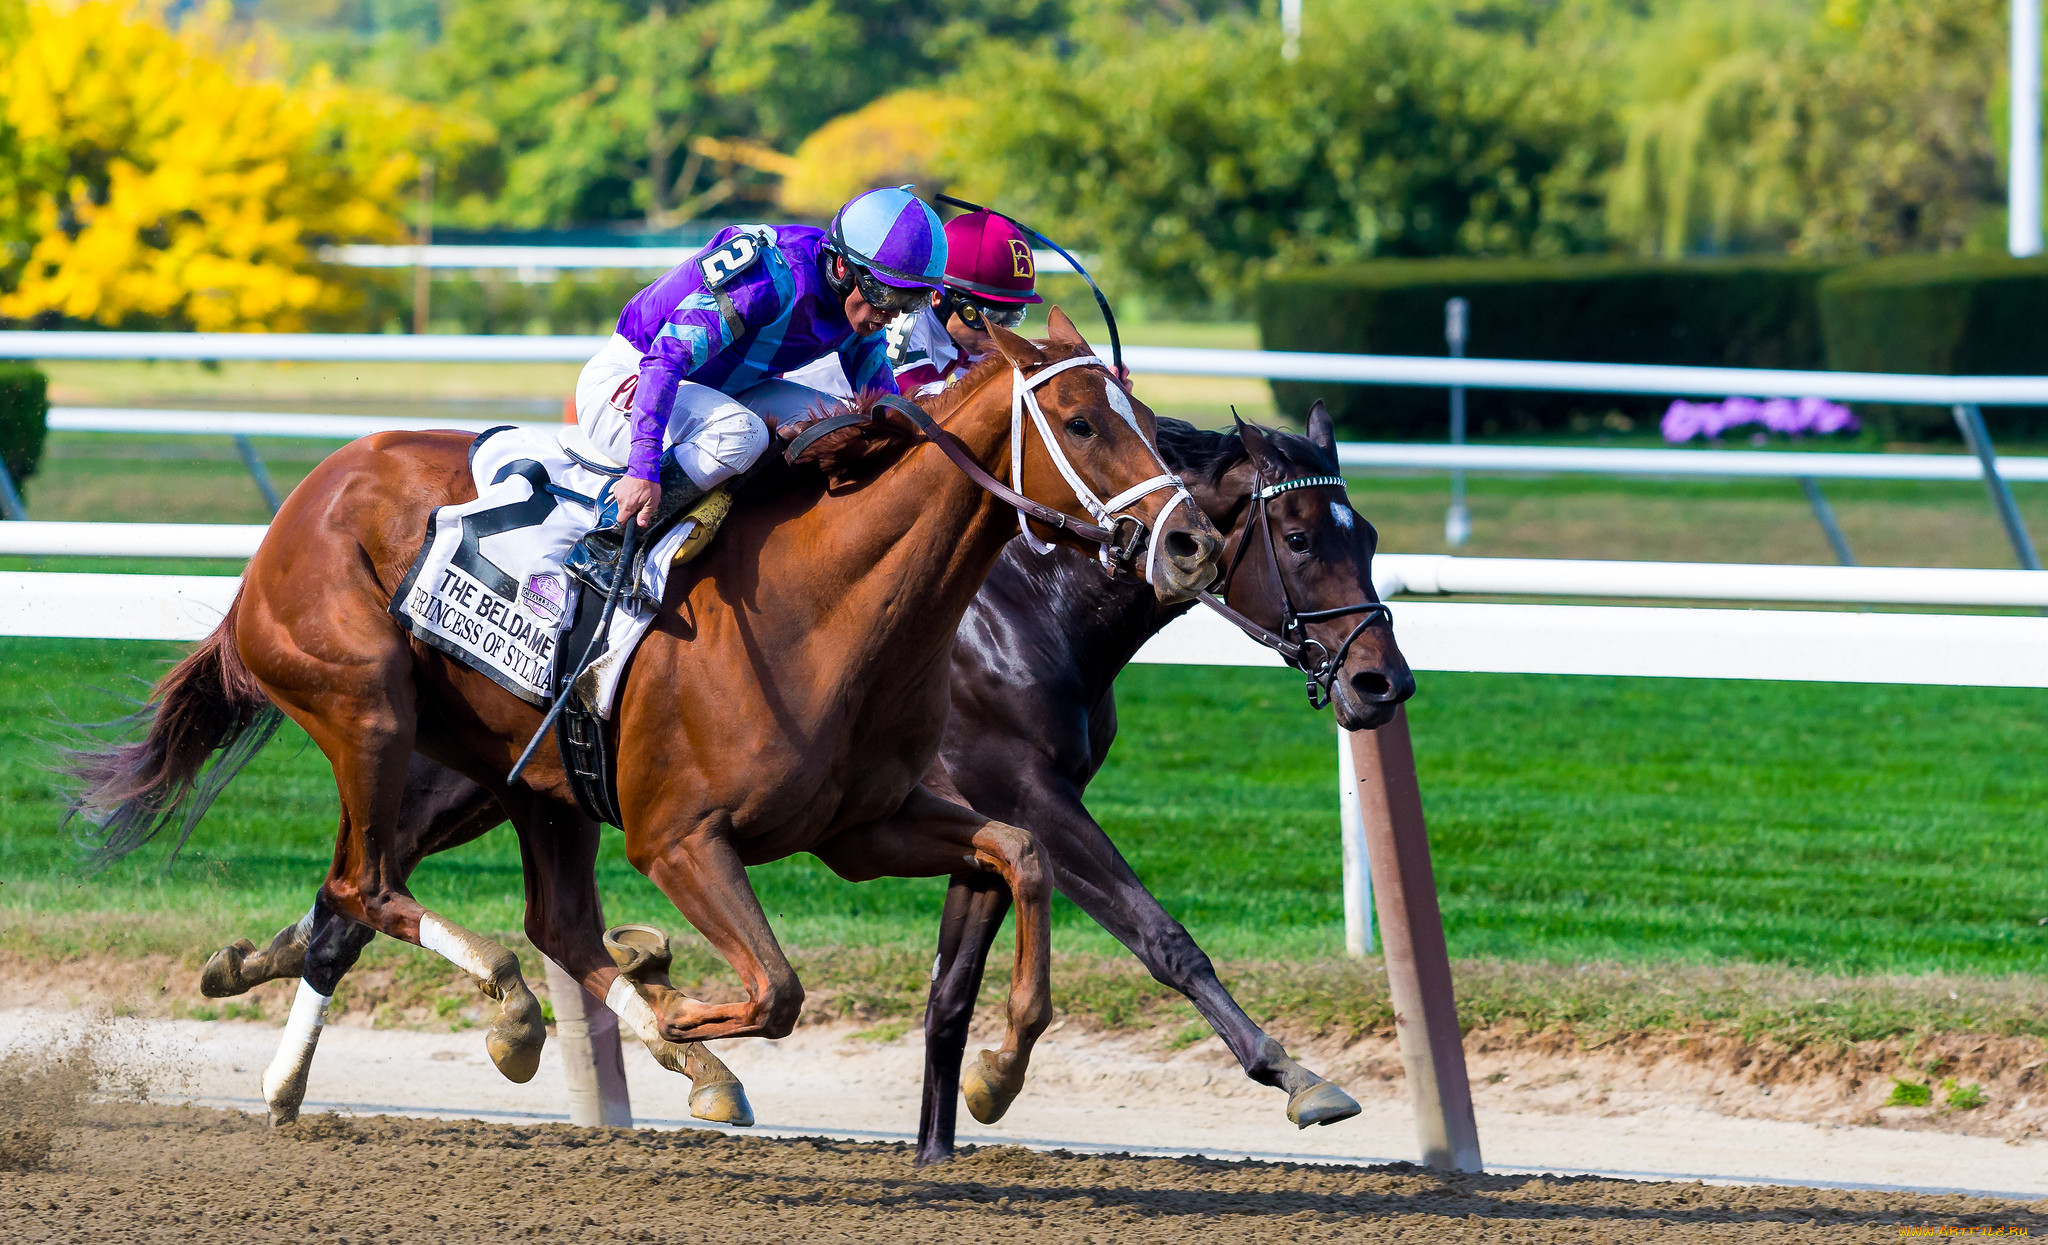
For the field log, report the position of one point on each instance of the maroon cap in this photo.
(989, 257)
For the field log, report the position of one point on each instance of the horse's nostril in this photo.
(1372, 685)
(1182, 546)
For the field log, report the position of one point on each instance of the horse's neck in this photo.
(916, 544)
(1087, 623)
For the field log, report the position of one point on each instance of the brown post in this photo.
(422, 276)
(1412, 938)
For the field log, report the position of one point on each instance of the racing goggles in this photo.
(882, 296)
(973, 314)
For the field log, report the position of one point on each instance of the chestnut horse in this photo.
(1034, 715)
(791, 697)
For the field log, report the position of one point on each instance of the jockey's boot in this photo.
(595, 559)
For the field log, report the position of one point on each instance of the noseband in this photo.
(1118, 534)
(1128, 532)
(1316, 663)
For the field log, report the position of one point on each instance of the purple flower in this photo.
(1684, 421)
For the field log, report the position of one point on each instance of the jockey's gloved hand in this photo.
(637, 499)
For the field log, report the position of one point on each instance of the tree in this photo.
(1196, 158)
(1845, 128)
(157, 178)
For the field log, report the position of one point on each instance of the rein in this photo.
(1118, 534)
(1317, 663)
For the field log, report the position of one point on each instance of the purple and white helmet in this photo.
(894, 235)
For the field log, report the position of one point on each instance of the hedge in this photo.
(1728, 313)
(24, 418)
(1946, 316)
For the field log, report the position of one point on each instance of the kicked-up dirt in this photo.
(138, 1172)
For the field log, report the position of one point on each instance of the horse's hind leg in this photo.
(239, 967)
(441, 810)
(332, 945)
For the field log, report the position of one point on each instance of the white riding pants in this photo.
(714, 436)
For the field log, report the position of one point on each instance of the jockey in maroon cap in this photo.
(990, 279)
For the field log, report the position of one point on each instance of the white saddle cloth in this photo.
(488, 587)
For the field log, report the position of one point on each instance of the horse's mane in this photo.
(1193, 451)
(856, 452)
(853, 453)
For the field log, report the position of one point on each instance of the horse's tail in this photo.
(209, 703)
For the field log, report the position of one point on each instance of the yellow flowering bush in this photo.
(168, 177)
(898, 138)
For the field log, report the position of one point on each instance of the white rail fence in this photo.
(1359, 369)
(1964, 393)
(1383, 455)
(537, 260)
(1394, 574)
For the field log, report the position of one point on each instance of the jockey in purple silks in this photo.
(678, 394)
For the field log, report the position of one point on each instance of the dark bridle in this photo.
(1293, 643)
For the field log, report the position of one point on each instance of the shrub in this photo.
(1725, 313)
(24, 418)
(1945, 316)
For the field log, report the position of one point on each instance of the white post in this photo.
(1457, 520)
(1290, 29)
(1357, 869)
(2023, 185)
(588, 1034)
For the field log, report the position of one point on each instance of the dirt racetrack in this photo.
(147, 1173)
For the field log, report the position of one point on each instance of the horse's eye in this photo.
(1079, 428)
(1298, 541)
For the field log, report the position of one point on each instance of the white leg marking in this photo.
(630, 1008)
(444, 939)
(284, 1081)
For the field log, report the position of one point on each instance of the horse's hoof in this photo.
(222, 976)
(722, 1102)
(984, 1087)
(282, 1114)
(1321, 1103)
(640, 952)
(517, 1037)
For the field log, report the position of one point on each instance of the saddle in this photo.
(843, 446)
(579, 731)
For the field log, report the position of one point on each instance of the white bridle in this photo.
(1022, 399)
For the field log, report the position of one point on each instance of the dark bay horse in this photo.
(1034, 714)
(790, 697)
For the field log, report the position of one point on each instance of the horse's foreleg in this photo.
(565, 920)
(702, 876)
(930, 836)
(975, 906)
(1088, 869)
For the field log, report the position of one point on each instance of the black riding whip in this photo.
(627, 548)
(1116, 345)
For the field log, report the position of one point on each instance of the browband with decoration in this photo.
(1274, 490)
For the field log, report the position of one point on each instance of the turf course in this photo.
(1835, 828)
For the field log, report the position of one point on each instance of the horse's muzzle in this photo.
(1373, 682)
(1188, 557)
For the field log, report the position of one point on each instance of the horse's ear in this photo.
(1256, 444)
(1061, 330)
(1322, 429)
(1020, 352)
